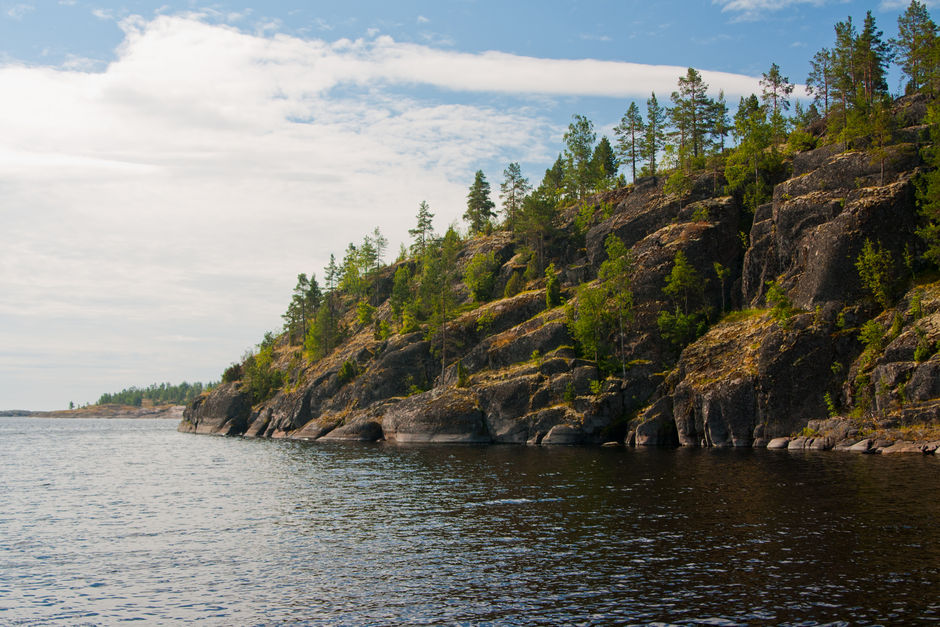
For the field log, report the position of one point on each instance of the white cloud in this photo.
(17, 11)
(756, 9)
(891, 5)
(177, 192)
(423, 20)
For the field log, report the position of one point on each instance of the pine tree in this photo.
(872, 56)
(512, 191)
(479, 211)
(616, 273)
(654, 137)
(579, 147)
(423, 231)
(603, 164)
(819, 83)
(776, 89)
(917, 34)
(690, 113)
(629, 136)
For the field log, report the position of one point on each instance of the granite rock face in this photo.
(508, 370)
(223, 412)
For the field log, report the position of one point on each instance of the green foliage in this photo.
(382, 331)
(915, 46)
(262, 378)
(364, 313)
(582, 221)
(401, 291)
(754, 165)
(552, 287)
(700, 214)
(514, 285)
(924, 348)
(928, 189)
(479, 213)
(531, 268)
(304, 302)
(836, 368)
(512, 191)
(917, 308)
(463, 377)
(872, 335)
(166, 393)
(680, 329)
(569, 393)
(231, 374)
(781, 307)
(596, 387)
(655, 134)
(485, 320)
(589, 321)
(684, 282)
(629, 137)
(679, 185)
(480, 276)
(409, 321)
(876, 272)
(324, 334)
(538, 211)
(347, 372)
(799, 141)
(579, 148)
(830, 405)
(423, 232)
(722, 273)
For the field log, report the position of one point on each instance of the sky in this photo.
(168, 168)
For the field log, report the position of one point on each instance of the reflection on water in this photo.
(102, 521)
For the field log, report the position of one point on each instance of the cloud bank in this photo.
(157, 211)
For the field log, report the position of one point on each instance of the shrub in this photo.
(782, 309)
(830, 405)
(700, 214)
(876, 272)
(347, 372)
(232, 373)
(485, 321)
(569, 395)
(480, 276)
(263, 379)
(513, 286)
(872, 336)
(409, 321)
(596, 387)
(364, 312)
(924, 348)
(462, 375)
(552, 287)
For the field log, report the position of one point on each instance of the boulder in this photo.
(445, 415)
(363, 430)
(223, 411)
(902, 447)
(564, 434)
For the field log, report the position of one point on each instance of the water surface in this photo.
(105, 521)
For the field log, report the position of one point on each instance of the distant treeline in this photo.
(158, 394)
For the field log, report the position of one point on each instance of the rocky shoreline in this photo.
(793, 351)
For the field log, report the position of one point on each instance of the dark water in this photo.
(109, 521)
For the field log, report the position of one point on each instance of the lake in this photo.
(106, 521)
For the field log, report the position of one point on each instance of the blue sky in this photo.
(167, 168)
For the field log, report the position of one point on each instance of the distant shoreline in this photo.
(170, 412)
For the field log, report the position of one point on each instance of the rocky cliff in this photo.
(513, 372)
